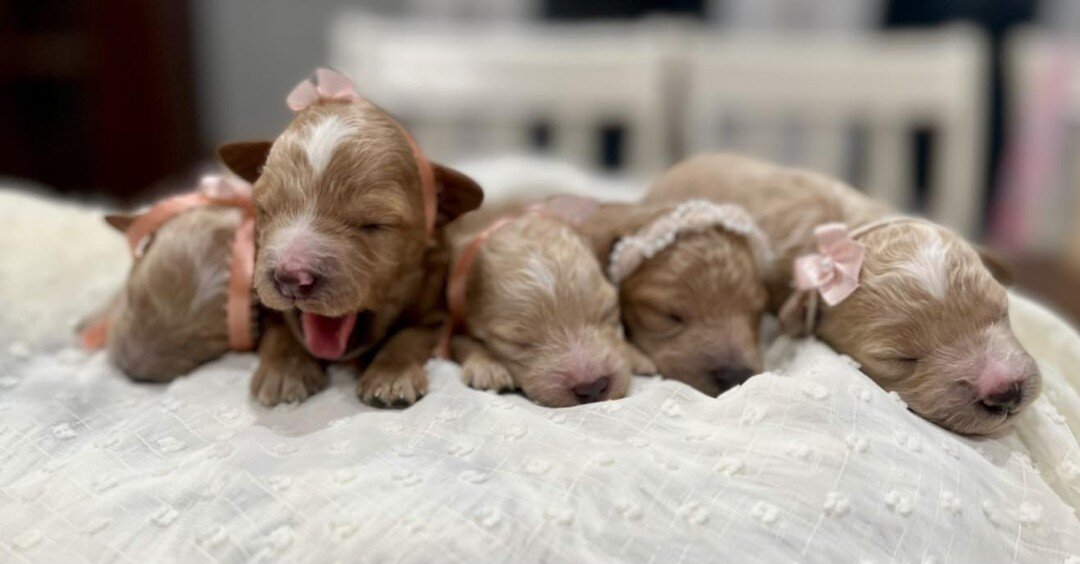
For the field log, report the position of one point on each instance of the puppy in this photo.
(170, 317)
(350, 245)
(540, 316)
(693, 301)
(927, 320)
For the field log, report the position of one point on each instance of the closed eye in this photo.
(368, 227)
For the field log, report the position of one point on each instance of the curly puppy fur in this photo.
(694, 308)
(928, 321)
(338, 199)
(542, 317)
(170, 316)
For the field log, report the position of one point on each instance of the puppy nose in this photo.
(592, 391)
(294, 282)
(1006, 399)
(729, 376)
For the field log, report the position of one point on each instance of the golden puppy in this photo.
(539, 315)
(349, 220)
(693, 300)
(170, 316)
(928, 319)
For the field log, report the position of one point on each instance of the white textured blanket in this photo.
(810, 462)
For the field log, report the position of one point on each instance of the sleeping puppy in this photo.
(692, 296)
(350, 245)
(170, 316)
(927, 319)
(539, 315)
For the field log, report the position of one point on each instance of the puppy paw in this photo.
(287, 381)
(639, 362)
(392, 388)
(485, 373)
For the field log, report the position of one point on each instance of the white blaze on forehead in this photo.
(298, 240)
(929, 266)
(323, 139)
(538, 273)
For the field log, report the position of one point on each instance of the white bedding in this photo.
(810, 462)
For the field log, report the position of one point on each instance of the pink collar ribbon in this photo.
(212, 190)
(329, 85)
(834, 270)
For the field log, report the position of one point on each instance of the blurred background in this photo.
(963, 110)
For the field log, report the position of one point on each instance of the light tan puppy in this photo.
(694, 307)
(928, 320)
(344, 252)
(170, 316)
(540, 316)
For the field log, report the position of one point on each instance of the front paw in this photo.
(287, 380)
(485, 373)
(381, 387)
(639, 362)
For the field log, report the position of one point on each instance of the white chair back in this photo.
(808, 100)
(465, 93)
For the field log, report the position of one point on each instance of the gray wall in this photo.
(250, 53)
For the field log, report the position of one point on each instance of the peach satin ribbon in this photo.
(213, 190)
(333, 86)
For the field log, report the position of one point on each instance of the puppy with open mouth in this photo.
(917, 306)
(350, 245)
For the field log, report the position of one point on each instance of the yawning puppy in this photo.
(539, 315)
(927, 318)
(692, 295)
(349, 218)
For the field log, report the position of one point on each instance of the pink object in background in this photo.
(1032, 159)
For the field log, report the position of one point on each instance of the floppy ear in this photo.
(457, 194)
(998, 266)
(793, 315)
(120, 221)
(611, 222)
(245, 158)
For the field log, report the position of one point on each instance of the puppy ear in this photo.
(246, 158)
(998, 266)
(611, 222)
(793, 315)
(457, 193)
(120, 221)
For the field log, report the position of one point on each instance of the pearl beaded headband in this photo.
(693, 216)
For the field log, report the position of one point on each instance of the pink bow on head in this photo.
(327, 85)
(834, 271)
(221, 188)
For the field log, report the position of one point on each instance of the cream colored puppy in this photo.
(540, 316)
(928, 319)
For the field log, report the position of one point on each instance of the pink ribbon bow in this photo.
(834, 271)
(327, 85)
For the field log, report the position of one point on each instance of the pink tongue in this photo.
(327, 337)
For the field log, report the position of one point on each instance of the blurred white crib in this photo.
(845, 105)
(467, 93)
(806, 101)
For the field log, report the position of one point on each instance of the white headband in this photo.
(692, 216)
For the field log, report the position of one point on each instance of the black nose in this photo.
(294, 284)
(1007, 400)
(729, 376)
(592, 391)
